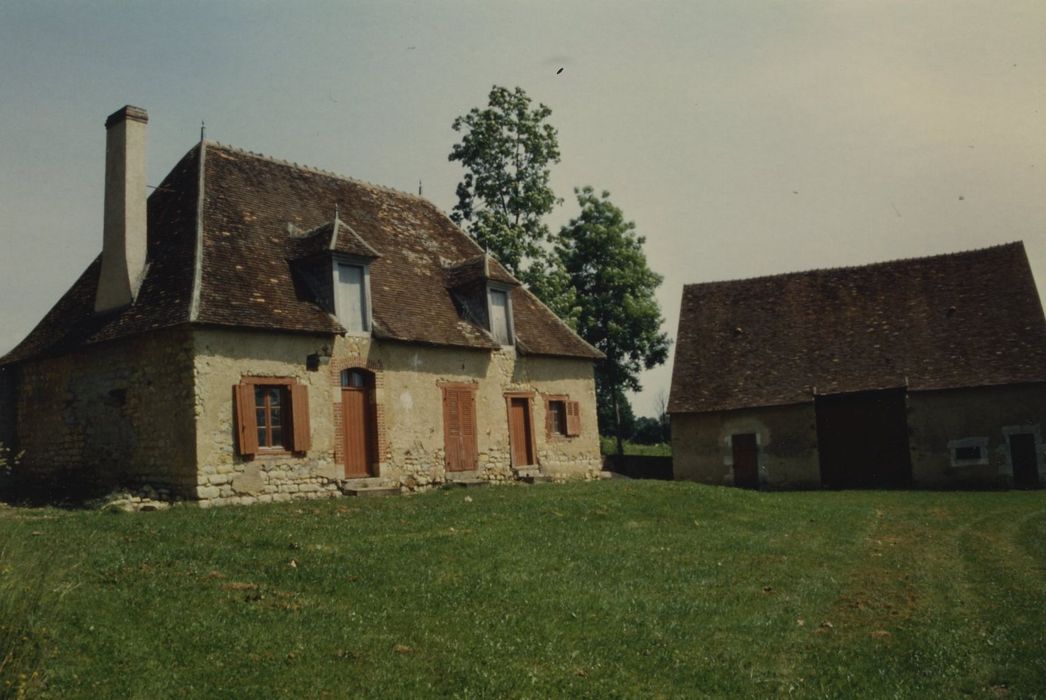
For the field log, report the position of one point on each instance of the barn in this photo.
(925, 372)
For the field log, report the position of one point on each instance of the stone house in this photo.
(925, 372)
(257, 330)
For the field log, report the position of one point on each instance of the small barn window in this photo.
(557, 417)
(968, 451)
(350, 297)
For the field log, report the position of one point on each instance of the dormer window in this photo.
(352, 295)
(500, 314)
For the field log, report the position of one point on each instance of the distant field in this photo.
(609, 589)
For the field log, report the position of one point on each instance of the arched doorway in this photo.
(359, 423)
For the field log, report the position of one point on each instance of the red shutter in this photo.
(300, 431)
(573, 418)
(468, 428)
(451, 436)
(246, 422)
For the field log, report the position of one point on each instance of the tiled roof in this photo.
(257, 214)
(941, 322)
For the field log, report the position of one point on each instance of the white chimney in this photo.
(124, 231)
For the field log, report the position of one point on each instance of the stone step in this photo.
(465, 482)
(370, 490)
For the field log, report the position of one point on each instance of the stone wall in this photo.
(939, 419)
(118, 413)
(408, 403)
(702, 449)
(8, 403)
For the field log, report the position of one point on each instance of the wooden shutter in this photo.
(300, 431)
(451, 437)
(468, 429)
(246, 422)
(549, 427)
(573, 418)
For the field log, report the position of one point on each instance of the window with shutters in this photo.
(562, 417)
(272, 416)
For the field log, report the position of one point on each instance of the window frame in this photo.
(981, 443)
(571, 417)
(511, 328)
(363, 264)
(295, 426)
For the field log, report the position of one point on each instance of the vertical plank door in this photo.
(355, 414)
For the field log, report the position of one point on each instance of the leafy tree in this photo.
(507, 150)
(618, 312)
(649, 431)
(605, 413)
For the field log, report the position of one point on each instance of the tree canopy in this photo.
(507, 150)
(617, 310)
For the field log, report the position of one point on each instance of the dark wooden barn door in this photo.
(459, 428)
(520, 433)
(1023, 459)
(862, 439)
(746, 460)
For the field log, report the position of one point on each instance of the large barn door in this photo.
(862, 439)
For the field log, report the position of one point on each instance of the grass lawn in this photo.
(609, 589)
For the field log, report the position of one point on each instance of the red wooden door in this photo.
(459, 429)
(746, 460)
(520, 432)
(358, 448)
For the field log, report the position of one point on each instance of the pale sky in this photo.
(743, 138)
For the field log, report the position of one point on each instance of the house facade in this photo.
(928, 372)
(257, 330)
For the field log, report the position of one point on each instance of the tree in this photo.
(605, 413)
(507, 150)
(618, 312)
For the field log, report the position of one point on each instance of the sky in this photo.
(742, 138)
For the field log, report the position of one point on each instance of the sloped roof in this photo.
(947, 321)
(254, 210)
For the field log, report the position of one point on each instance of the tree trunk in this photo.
(617, 428)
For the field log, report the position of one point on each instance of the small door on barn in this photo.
(459, 428)
(862, 439)
(1024, 461)
(746, 460)
(520, 431)
(359, 424)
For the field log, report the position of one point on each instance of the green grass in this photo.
(608, 589)
(608, 446)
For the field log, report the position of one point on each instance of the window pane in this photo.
(261, 436)
(277, 437)
(351, 302)
(259, 396)
(559, 416)
(259, 416)
(499, 316)
(274, 395)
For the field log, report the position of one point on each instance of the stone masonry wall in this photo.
(408, 404)
(702, 448)
(118, 413)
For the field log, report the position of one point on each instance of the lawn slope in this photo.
(610, 589)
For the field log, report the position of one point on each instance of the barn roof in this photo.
(947, 321)
(222, 257)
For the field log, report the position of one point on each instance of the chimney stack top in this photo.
(127, 112)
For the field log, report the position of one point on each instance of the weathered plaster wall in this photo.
(787, 437)
(409, 408)
(118, 413)
(937, 418)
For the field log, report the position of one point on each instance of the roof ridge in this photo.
(862, 266)
(318, 171)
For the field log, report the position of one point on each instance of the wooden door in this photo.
(746, 460)
(1022, 457)
(358, 417)
(862, 439)
(459, 428)
(520, 432)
